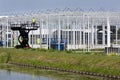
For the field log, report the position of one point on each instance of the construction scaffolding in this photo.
(66, 30)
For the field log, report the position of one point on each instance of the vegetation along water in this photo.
(70, 60)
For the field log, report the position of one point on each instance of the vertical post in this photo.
(40, 35)
(7, 33)
(35, 39)
(76, 37)
(68, 43)
(11, 38)
(80, 34)
(32, 39)
(116, 34)
(15, 38)
(108, 32)
(3, 36)
(59, 32)
(103, 35)
(96, 36)
(42, 32)
(88, 35)
(83, 32)
(73, 30)
(29, 42)
(92, 34)
(49, 31)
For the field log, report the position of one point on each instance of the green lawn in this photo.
(91, 62)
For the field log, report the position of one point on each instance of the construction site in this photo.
(76, 30)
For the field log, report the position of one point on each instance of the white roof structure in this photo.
(80, 28)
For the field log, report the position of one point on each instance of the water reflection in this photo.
(9, 72)
(10, 75)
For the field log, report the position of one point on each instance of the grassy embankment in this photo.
(91, 62)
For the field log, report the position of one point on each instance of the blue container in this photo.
(56, 46)
(1, 43)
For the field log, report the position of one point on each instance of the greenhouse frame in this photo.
(74, 30)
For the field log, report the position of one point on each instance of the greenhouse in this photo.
(65, 30)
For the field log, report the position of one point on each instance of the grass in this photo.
(88, 61)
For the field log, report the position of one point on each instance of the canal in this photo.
(20, 73)
(11, 75)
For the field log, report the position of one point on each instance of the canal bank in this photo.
(80, 62)
(12, 72)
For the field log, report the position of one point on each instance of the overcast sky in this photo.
(29, 5)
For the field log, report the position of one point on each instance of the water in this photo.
(10, 75)
(20, 73)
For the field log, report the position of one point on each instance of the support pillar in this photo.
(88, 35)
(59, 33)
(116, 35)
(103, 35)
(108, 32)
(92, 34)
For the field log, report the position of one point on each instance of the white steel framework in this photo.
(77, 30)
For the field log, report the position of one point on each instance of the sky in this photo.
(32, 5)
